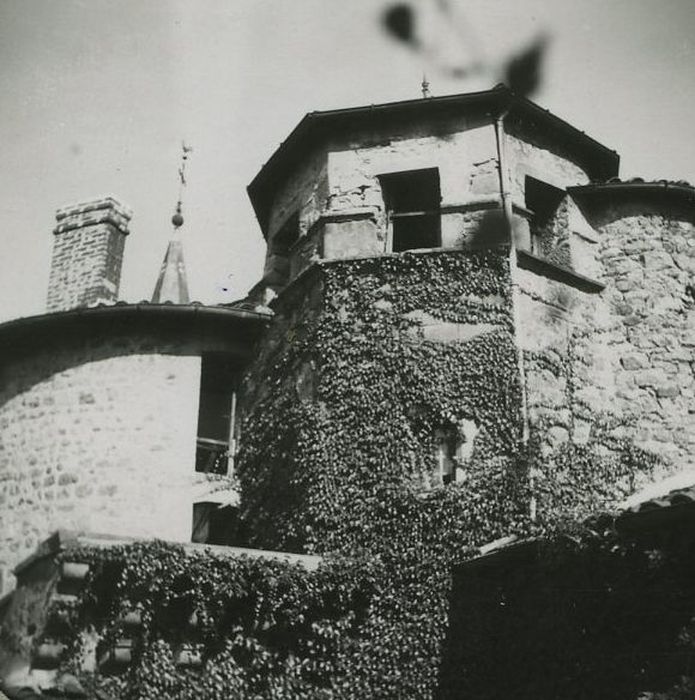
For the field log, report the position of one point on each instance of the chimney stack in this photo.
(87, 254)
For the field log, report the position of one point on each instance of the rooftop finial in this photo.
(177, 219)
(425, 86)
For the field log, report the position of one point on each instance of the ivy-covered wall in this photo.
(368, 360)
(366, 363)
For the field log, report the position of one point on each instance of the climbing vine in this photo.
(366, 361)
(259, 627)
(341, 465)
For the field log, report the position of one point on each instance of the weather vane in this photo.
(177, 219)
(425, 86)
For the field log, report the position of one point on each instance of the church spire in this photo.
(172, 285)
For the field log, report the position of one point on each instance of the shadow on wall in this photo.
(22, 372)
(575, 621)
(491, 230)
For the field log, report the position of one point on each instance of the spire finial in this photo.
(177, 218)
(425, 86)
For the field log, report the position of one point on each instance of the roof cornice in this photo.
(124, 315)
(313, 130)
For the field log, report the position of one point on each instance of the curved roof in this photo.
(314, 129)
(679, 191)
(185, 320)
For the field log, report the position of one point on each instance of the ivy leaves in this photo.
(337, 450)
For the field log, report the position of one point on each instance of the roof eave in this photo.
(27, 326)
(316, 124)
(633, 188)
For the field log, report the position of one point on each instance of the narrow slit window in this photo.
(446, 449)
(412, 201)
(287, 236)
(280, 249)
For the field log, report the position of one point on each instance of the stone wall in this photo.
(570, 240)
(338, 194)
(648, 251)
(99, 437)
(543, 161)
(565, 335)
(618, 364)
(463, 152)
(87, 254)
(305, 194)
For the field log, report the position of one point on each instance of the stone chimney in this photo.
(87, 254)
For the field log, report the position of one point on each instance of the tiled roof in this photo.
(670, 503)
(677, 497)
(679, 189)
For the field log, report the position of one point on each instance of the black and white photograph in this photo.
(347, 349)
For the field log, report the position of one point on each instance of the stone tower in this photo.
(450, 298)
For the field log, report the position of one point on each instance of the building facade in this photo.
(451, 285)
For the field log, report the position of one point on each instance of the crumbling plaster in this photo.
(337, 193)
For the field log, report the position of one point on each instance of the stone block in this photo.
(654, 260)
(485, 183)
(634, 361)
(383, 305)
(650, 377)
(351, 238)
(668, 391)
(557, 435)
(545, 389)
(435, 330)
(581, 432)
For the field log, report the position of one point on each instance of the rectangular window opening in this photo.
(412, 200)
(446, 446)
(214, 524)
(216, 436)
(544, 201)
(280, 248)
(287, 236)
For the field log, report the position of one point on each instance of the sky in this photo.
(97, 95)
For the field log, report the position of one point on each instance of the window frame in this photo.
(389, 190)
(220, 451)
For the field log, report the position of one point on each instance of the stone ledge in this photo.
(63, 540)
(100, 217)
(559, 273)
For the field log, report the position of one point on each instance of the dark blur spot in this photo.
(460, 72)
(399, 21)
(523, 72)
(75, 149)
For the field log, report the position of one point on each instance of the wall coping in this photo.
(122, 311)
(559, 273)
(65, 540)
(315, 267)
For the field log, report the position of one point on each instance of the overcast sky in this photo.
(97, 95)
